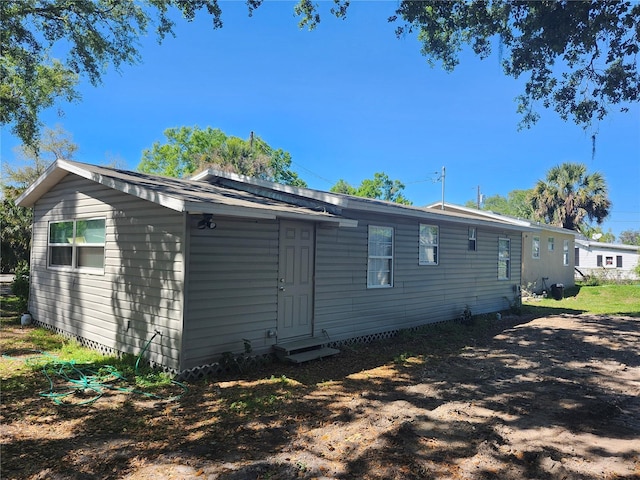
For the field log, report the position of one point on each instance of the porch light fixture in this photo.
(206, 222)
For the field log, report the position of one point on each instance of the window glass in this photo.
(90, 231)
(379, 272)
(504, 258)
(77, 243)
(535, 247)
(428, 245)
(92, 257)
(61, 256)
(472, 239)
(380, 252)
(61, 232)
(565, 252)
(551, 244)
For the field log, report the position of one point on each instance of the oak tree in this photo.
(15, 221)
(47, 45)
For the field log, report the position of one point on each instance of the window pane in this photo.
(429, 255)
(60, 256)
(428, 235)
(503, 259)
(378, 249)
(61, 232)
(503, 269)
(380, 234)
(90, 231)
(379, 272)
(91, 257)
(503, 249)
(428, 245)
(380, 262)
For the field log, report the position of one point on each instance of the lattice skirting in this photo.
(99, 347)
(246, 363)
(82, 341)
(225, 365)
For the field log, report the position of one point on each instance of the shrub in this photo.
(20, 285)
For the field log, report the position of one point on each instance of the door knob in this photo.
(282, 289)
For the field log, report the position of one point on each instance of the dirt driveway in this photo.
(546, 398)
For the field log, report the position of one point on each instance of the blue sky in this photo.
(346, 100)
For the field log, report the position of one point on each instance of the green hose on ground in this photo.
(67, 378)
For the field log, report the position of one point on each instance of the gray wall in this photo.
(233, 271)
(232, 289)
(140, 290)
(231, 278)
(421, 294)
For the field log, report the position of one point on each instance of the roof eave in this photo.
(60, 168)
(270, 214)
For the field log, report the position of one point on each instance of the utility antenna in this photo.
(441, 179)
(479, 198)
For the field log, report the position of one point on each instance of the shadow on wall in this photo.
(147, 288)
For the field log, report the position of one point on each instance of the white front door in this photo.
(295, 282)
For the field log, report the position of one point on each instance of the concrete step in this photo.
(308, 355)
(304, 350)
(305, 343)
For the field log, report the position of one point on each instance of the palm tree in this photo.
(568, 196)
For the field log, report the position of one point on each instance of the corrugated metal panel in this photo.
(140, 291)
(232, 282)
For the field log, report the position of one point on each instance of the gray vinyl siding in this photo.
(421, 294)
(140, 291)
(232, 284)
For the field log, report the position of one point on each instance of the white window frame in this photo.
(374, 255)
(551, 244)
(506, 259)
(565, 253)
(425, 244)
(473, 239)
(535, 247)
(76, 244)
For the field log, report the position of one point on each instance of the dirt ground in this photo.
(528, 398)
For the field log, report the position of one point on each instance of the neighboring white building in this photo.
(610, 260)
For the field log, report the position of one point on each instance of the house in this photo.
(198, 268)
(546, 250)
(611, 261)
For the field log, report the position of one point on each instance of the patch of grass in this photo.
(29, 352)
(10, 310)
(260, 397)
(602, 300)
